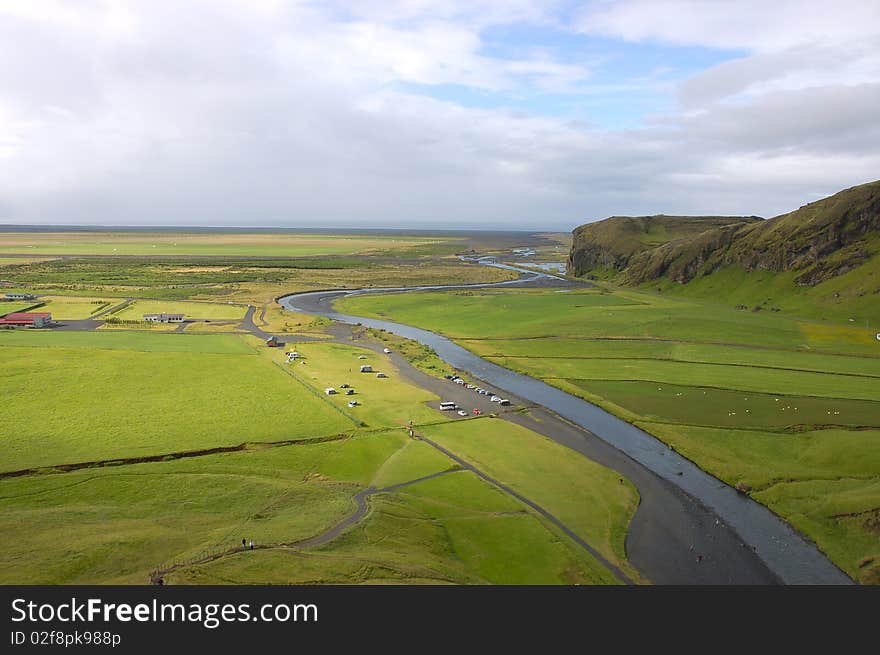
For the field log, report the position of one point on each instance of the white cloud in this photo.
(280, 112)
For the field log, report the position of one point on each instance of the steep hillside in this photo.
(806, 254)
(613, 243)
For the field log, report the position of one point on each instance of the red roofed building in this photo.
(27, 319)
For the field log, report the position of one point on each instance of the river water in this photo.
(792, 558)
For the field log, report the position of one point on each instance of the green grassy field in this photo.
(121, 522)
(382, 402)
(213, 244)
(585, 496)
(124, 395)
(453, 529)
(10, 307)
(755, 397)
(520, 314)
(134, 341)
(850, 295)
(75, 307)
(137, 309)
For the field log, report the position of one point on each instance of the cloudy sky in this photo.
(419, 113)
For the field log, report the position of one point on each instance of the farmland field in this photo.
(387, 401)
(137, 309)
(10, 307)
(122, 522)
(107, 396)
(75, 307)
(782, 405)
(205, 244)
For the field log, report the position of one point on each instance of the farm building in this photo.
(366, 368)
(273, 342)
(20, 296)
(27, 319)
(381, 375)
(330, 391)
(163, 318)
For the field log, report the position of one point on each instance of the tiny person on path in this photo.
(252, 544)
(243, 543)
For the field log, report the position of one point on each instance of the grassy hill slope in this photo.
(822, 259)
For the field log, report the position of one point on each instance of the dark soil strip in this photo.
(112, 309)
(67, 468)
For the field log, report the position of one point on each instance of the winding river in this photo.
(787, 554)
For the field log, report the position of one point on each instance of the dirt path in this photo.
(361, 508)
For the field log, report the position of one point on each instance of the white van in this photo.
(448, 405)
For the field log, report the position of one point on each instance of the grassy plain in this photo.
(786, 405)
(585, 496)
(114, 395)
(75, 307)
(157, 244)
(122, 394)
(234, 278)
(390, 401)
(601, 314)
(121, 522)
(451, 529)
(137, 309)
(10, 307)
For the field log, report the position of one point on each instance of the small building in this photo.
(330, 391)
(381, 375)
(27, 319)
(163, 318)
(366, 368)
(349, 392)
(273, 342)
(352, 403)
(293, 355)
(20, 296)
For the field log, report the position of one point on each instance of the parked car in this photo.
(387, 351)
(461, 412)
(477, 411)
(469, 386)
(495, 399)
